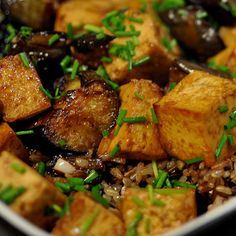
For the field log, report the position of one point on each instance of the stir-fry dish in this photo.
(117, 117)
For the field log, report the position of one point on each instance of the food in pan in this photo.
(117, 117)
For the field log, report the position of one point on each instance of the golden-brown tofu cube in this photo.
(136, 140)
(19, 90)
(39, 194)
(103, 222)
(173, 207)
(190, 123)
(79, 12)
(149, 44)
(10, 142)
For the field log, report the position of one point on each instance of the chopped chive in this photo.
(168, 4)
(117, 129)
(46, 92)
(105, 133)
(66, 206)
(24, 59)
(83, 68)
(121, 116)
(201, 14)
(70, 32)
(79, 188)
(138, 201)
(41, 168)
(165, 191)
(63, 187)
(92, 176)
(75, 68)
(84, 228)
(74, 181)
(53, 39)
(65, 62)
(100, 36)
(168, 183)
(138, 95)
(106, 59)
(177, 183)
(58, 211)
(141, 61)
(24, 132)
(222, 68)
(139, 119)
(18, 167)
(9, 194)
(230, 125)
(172, 86)
(232, 114)
(150, 193)
(127, 33)
(135, 19)
(223, 109)
(61, 143)
(168, 44)
(158, 202)
(56, 92)
(154, 168)
(97, 196)
(194, 160)
(112, 84)
(25, 31)
(147, 225)
(93, 28)
(182, 12)
(132, 231)
(230, 139)
(154, 116)
(115, 150)
(161, 178)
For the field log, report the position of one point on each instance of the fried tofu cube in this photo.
(79, 12)
(19, 90)
(83, 208)
(190, 123)
(10, 142)
(39, 194)
(149, 45)
(173, 208)
(137, 140)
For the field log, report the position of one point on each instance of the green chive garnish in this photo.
(127, 33)
(105, 133)
(117, 129)
(53, 39)
(154, 116)
(46, 92)
(154, 168)
(63, 187)
(138, 95)
(223, 109)
(84, 228)
(25, 31)
(131, 231)
(92, 176)
(172, 86)
(41, 168)
(150, 193)
(177, 183)
(106, 59)
(18, 167)
(220, 147)
(135, 19)
(230, 125)
(61, 143)
(9, 194)
(168, 4)
(75, 68)
(194, 160)
(162, 176)
(93, 28)
(57, 210)
(168, 183)
(138, 201)
(232, 115)
(201, 14)
(70, 32)
(168, 44)
(158, 202)
(24, 132)
(115, 150)
(121, 116)
(147, 226)
(65, 62)
(140, 119)
(141, 61)
(97, 196)
(165, 191)
(24, 59)
(74, 181)
(230, 139)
